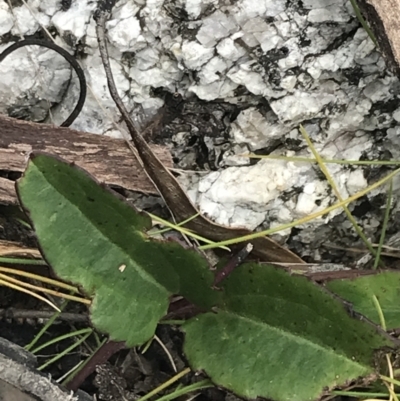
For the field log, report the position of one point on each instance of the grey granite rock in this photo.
(20, 381)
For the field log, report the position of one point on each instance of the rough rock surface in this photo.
(250, 73)
(20, 381)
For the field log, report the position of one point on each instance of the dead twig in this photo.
(169, 188)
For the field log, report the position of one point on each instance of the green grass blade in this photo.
(364, 23)
(304, 219)
(384, 225)
(336, 190)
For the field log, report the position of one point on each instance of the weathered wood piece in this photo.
(384, 19)
(108, 159)
(7, 191)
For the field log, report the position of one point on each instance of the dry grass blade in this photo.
(9, 284)
(33, 276)
(9, 248)
(165, 349)
(22, 285)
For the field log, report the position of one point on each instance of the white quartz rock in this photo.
(351, 119)
(193, 7)
(247, 9)
(320, 4)
(229, 50)
(378, 90)
(269, 39)
(215, 27)
(347, 146)
(76, 19)
(366, 52)
(396, 115)
(101, 120)
(212, 71)
(356, 182)
(305, 204)
(6, 18)
(48, 7)
(253, 129)
(147, 58)
(295, 56)
(301, 105)
(335, 12)
(289, 29)
(253, 81)
(215, 90)
(124, 28)
(37, 75)
(223, 195)
(359, 50)
(25, 24)
(393, 143)
(257, 25)
(194, 55)
(164, 73)
(288, 83)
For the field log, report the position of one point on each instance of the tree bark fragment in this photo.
(384, 19)
(108, 159)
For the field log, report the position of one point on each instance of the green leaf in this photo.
(272, 334)
(281, 337)
(360, 291)
(92, 238)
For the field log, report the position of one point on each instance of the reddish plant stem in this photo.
(101, 356)
(233, 263)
